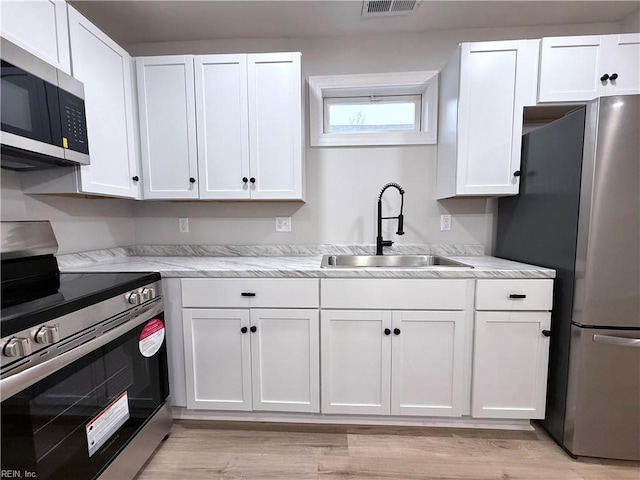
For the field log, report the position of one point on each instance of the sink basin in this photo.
(389, 261)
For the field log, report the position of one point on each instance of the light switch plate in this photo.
(183, 225)
(283, 224)
(445, 223)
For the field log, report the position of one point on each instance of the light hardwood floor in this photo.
(231, 450)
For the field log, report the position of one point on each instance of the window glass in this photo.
(372, 114)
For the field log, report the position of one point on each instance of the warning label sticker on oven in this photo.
(107, 422)
(151, 337)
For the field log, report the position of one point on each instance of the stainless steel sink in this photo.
(389, 261)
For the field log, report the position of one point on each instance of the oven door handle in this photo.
(17, 382)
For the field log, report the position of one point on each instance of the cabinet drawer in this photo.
(250, 292)
(514, 294)
(405, 294)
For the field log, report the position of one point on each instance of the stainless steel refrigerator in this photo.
(578, 212)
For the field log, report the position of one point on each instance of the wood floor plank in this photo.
(270, 451)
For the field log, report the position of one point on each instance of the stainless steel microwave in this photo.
(43, 116)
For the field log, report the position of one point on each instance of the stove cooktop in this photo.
(76, 291)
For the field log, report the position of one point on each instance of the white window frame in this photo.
(423, 83)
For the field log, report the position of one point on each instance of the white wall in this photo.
(79, 224)
(631, 23)
(343, 183)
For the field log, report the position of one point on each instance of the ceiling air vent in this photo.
(386, 8)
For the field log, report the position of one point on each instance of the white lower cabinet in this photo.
(511, 348)
(251, 358)
(396, 346)
(393, 362)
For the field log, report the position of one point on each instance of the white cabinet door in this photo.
(496, 82)
(623, 60)
(427, 375)
(484, 89)
(510, 364)
(356, 361)
(40, 27)
(217, 358)
(105, 69)
(222, 125)
(166, 101)
(570, 68)
(275, 125)
(285, 360)
(580, 68)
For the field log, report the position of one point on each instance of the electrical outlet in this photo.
(183, 225)
(283, 224)
(445, 223)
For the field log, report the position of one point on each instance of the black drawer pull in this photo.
(243, 330)
(387, 331)
(253, 329)
(517, 295)
(396, 331)
(248, 294)
(546, 333)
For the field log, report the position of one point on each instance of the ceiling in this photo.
(130, 22)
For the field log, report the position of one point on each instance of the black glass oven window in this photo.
(30, 106)
(44, 427)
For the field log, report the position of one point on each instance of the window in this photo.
(372, 114)
(373, 109)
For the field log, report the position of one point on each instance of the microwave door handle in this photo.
(617, 341)
(16, 383)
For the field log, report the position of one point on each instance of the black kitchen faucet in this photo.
(380, 242)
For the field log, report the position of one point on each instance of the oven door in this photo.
(72, 423)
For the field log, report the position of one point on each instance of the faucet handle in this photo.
(387, 243)
(400, 225)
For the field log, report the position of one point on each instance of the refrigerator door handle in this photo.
(618, 341)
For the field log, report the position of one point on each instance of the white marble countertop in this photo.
(273, 266)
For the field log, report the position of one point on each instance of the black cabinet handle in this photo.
(517, 173)
(243, 330)
(248, 294)
(192, 180)
(613, 76)
(517, 295)
(252, 180)
(546, 333)
(135, 179)
(604, 77)
(396, 331)
(387, 331)
(245, 179)
(253, 329)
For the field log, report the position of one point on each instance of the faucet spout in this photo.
(380, 242)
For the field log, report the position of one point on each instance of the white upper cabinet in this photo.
(275, 125)
(222, 125)
(484, 89)
(40, 27)
(106, 71)
(244, 110)
(249, 122)
(583, 68)
(166, 102)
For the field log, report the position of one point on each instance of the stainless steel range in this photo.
(83, 379)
